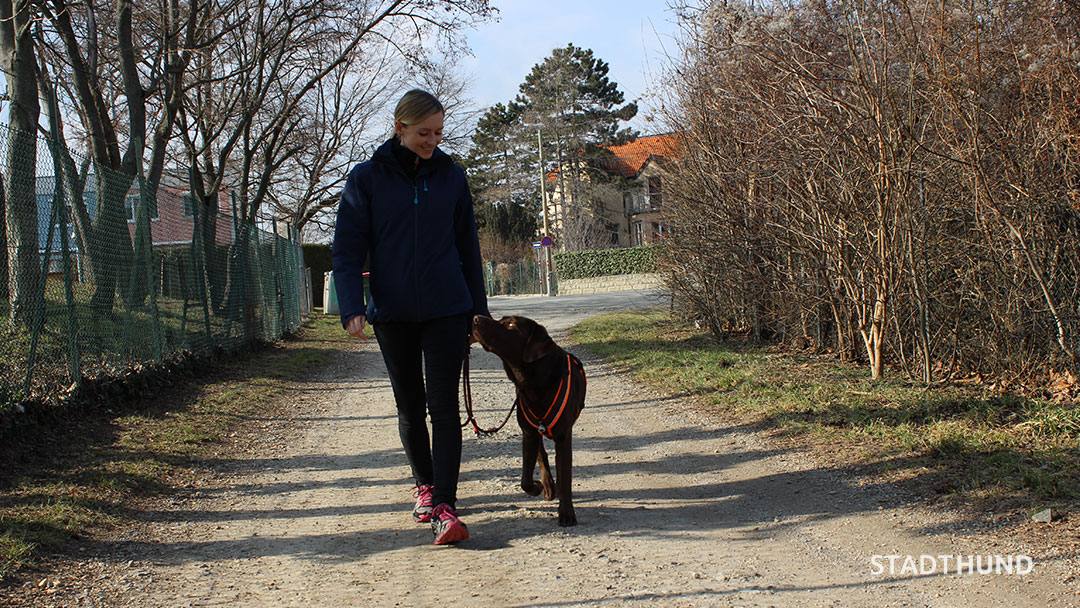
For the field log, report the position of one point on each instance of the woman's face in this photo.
(423, 136)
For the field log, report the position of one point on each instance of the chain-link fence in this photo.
(512, 279)
(100, 275)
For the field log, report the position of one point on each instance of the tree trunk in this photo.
(110, 249)
(20, 167)
(3, 241)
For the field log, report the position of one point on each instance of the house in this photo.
(171, 219)
(646, 162)
(624, 211)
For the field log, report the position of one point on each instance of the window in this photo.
(613, 233)
(189, 207)
(639, 234)
(654, 192)
(131, 203)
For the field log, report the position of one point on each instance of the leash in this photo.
(542, 425)
(467, 390)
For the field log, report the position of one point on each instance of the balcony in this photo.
(644, 204)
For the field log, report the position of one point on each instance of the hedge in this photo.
(605, 262)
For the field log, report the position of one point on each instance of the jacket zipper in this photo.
(416, 247)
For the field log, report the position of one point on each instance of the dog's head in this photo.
(514, 339)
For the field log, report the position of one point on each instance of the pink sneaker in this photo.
(421, 513)
(446, 525)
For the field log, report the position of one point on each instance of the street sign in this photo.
(546, 241)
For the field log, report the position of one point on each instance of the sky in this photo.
(631, 36)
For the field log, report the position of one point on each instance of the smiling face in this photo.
(421, 137)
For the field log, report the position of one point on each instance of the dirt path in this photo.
(674, 510)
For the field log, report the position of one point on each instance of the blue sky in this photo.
(629, 35)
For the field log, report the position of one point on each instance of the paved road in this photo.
(561, 312)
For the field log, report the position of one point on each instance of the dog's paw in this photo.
(531, 488)
(567, 517)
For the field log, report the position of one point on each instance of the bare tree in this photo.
(888, 173)
(126, 93)
(243, 125)
(22, 279)
(346, 118)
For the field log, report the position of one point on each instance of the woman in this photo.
(409, 214)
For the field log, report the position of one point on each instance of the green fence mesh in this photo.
(100, 275)
(512, 279)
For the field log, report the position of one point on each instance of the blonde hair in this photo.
(415, 106)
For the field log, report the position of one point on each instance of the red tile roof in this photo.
(628, 159)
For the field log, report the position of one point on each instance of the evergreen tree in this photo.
(569, 98)
(504, 175)
(569, 101)
(570, 92)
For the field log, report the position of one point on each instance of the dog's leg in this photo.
(545, 473)
(530, 445)
(563, 463)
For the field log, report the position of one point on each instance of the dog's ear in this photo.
(539, 343)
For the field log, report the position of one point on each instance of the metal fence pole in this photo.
(56, 147)
(155, 317)
(39, 318)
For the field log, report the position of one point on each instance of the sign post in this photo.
(549, 274)
(545, 242)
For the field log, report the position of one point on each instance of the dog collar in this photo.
(562, 397)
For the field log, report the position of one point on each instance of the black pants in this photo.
(424, 363)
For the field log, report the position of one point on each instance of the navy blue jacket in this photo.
(420, 236)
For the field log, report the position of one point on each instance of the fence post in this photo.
(198, 261)
(56, 147)
(155, 317)
(39, 318)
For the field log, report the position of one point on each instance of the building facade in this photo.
(624, 208)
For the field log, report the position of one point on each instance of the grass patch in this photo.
(75, 476)
(966, 440)
(107, 342)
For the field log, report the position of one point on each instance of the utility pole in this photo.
(549, 283)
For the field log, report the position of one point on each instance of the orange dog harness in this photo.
(562, 397)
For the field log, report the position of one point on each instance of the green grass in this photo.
(975, 443)
(105, 342)
(70, 478)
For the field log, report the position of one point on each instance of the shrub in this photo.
(605, 262)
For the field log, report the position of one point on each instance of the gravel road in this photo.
(676, 509)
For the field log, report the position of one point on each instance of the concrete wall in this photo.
(619, 282)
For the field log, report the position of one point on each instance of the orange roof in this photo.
(628, 159)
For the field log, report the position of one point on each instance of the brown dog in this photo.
(550, 386)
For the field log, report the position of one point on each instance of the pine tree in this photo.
(504, 176)
(577, 108)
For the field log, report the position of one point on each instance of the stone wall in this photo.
(619, 282)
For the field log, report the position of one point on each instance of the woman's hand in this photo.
(355, 327)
